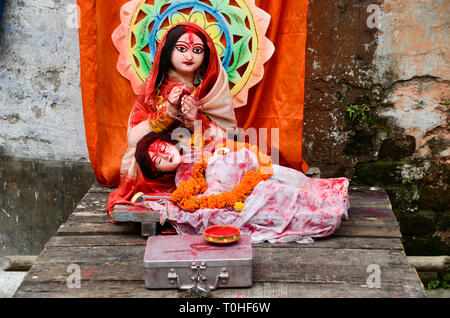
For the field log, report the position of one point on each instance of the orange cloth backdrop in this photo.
(276, 102)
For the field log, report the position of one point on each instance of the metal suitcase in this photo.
(189, 262)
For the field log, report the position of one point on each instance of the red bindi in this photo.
(191, 38)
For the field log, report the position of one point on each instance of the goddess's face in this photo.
(164, 155)
(188, 54)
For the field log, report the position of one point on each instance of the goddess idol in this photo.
(223, 182)
(187, 83)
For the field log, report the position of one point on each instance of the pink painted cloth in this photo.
(287, 207)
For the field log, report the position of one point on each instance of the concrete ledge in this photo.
(430, 263)
(19, 263)
(438, 293)
(9, 282)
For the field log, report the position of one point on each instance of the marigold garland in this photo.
(186, 193)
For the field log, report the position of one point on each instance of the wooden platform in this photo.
(110, 258)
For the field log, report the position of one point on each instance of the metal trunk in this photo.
(187, 262)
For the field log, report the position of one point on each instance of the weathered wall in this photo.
(41, 120)
(377, 105)
(36, 197)
(40, 100)
(391, 75)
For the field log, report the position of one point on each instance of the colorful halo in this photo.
(237, 28)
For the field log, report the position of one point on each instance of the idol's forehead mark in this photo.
(196, 43)
(191, 37)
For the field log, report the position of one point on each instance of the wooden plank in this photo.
(375, 212)
(363, 222)
(88, 217)
(98, 280)
(342, 242)
(128, 213)
(111, 258)
(366, 190)
(345, 230)
(357, 216)
(97, 229)
(363, 198)
(91, 254)
(358, 202)
(92, 224)
(148, 228)
(369, 197)
(263, 255)
(305, 273)
(92, 289)
(96, 240)
(367, 221)
(136, 289)
(329, 242)
(270, 264)
(369, 200)
(89, 213)
(97, 188)
(88, 197)
(320, 290)
(93, 202)
(329, 265)
(378, 195)
(97, 211)
(351, 230)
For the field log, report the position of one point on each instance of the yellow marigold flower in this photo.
(239, 206)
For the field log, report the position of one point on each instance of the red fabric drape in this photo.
(276, 102)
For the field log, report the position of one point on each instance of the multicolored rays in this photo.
(237, 28)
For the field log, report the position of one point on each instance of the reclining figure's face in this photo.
(188, 54)
(164, 155)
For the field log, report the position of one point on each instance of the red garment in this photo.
(288, 207)
(145, 108)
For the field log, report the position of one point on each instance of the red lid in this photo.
(220, 231)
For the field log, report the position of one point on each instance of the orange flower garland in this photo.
(186, 193)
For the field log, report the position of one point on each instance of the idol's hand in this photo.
(189, 107)
(171, 110)
(174, 96)
(173, 101)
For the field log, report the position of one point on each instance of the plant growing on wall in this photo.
(357, 111)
